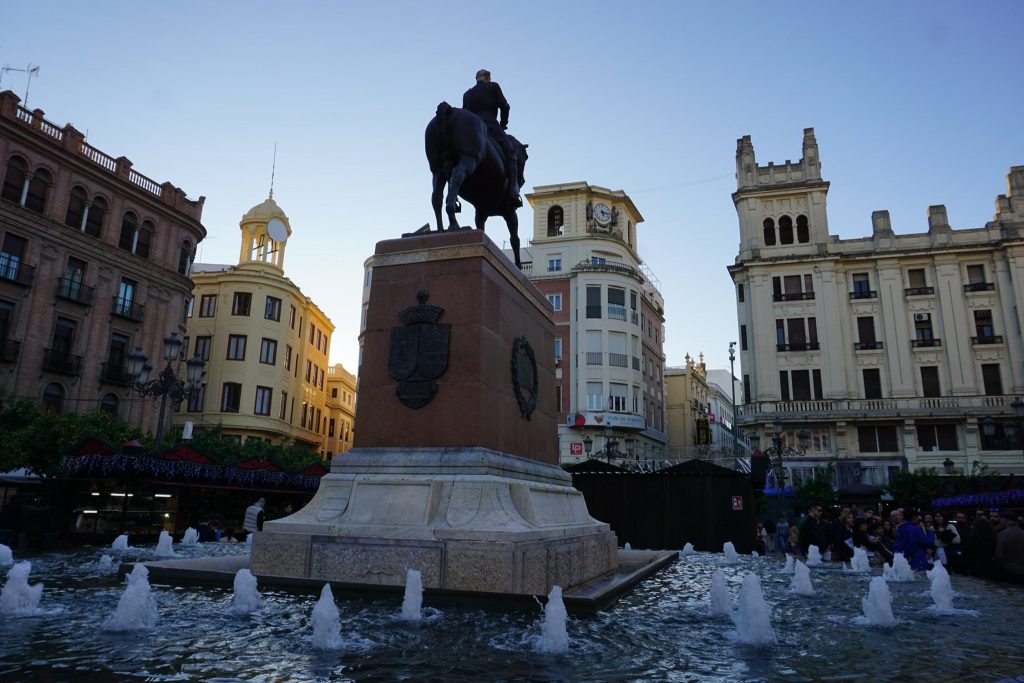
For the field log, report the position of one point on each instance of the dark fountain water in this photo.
(662, 631)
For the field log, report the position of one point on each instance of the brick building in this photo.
(94, 261)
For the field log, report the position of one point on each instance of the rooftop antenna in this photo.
(273, 169)
(31, 70)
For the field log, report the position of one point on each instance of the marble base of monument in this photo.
(469, 519)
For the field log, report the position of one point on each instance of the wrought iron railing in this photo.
(128, 309)
(74, 290)
(9, 350)
(56, 360)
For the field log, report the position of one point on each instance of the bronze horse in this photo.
(463, 156)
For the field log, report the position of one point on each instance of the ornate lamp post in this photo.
(732, 383)
(776, 453)
(167, 384)
(988, 427)
(588, 445)
(611, 445)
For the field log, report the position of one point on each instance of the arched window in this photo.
(556, 219)
(110, 404)
(143, 239)
(185, 258)
(129, 224)
(15, 179)
(38, 185)
(94, 215)
(53, 398)
(803, 232)
(75, 217)
(785, 230)
(769, 232)
(135, 238)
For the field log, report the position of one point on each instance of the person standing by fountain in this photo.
(1010, 549)
(946, 536)
(254, 516)
(782, 535)
(810, 530)
(913, 541)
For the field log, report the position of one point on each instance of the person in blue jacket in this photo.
(913, 541)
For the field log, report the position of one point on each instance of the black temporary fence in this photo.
(694, 502)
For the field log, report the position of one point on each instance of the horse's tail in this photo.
(443, 116)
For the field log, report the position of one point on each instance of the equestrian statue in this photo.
(468, 150)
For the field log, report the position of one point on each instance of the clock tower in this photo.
(265, 230)
(609, 322)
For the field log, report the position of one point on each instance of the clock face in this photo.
(602, 214)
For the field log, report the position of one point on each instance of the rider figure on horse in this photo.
(485, 99)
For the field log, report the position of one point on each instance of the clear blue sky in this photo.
(913, 103)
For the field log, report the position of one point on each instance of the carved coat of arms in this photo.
(524, 376)
(418, 354)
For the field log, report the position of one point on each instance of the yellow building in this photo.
(341, 409)
(265, 344)
(687, 405)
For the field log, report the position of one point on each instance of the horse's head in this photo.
(521, 157)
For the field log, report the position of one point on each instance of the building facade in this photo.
(689, 409)
(882, 352)
(609, 322)
(264, 342)
(94, 261)
(341, 409)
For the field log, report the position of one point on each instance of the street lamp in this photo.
(732, 385)
(776, 454)
(628, 442)
(166, 385)
(988, 427)
(588, 445)
(948, 465)
(611, 444)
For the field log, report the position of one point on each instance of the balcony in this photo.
(616, 312)
(74, 290)
(115, 373)
(924, 343)
(636, 363)
(618, 360)
(9, 350)
(801, 346)
(979, 286)
(13, 270)
(919, 291)
(634, 317)
(603, 265)
(792, 296)
(595, 357)
(989, 339)
(864, 294)
(63, 362)
(594, 312)
(127, 309)
(867, 346)
(876, 408)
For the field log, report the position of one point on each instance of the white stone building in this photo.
(609, 321)
(887, 351)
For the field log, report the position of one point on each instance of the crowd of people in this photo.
(987, 544)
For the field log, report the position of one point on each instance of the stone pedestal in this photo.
(464, 488)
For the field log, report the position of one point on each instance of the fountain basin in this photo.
(634, 566)
(658, 631)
